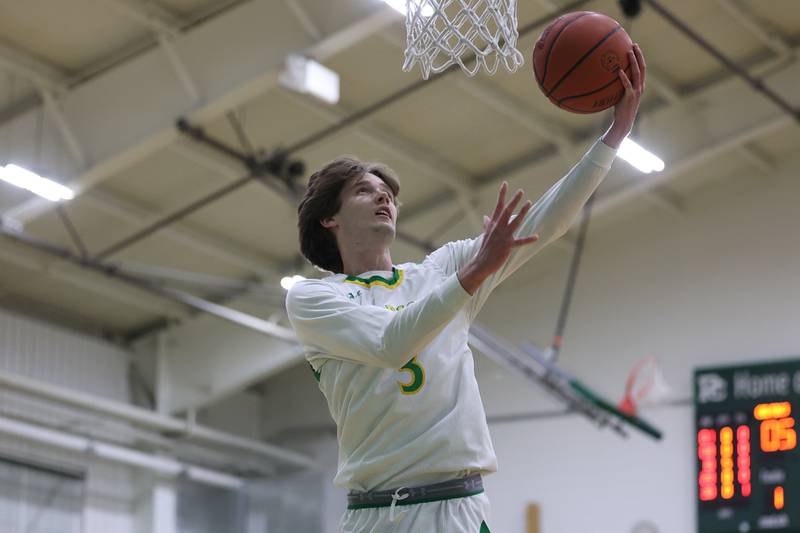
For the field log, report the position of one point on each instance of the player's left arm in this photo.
(553, 214)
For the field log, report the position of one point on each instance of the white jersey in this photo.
(391, 354)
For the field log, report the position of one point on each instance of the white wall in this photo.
(61, 357)
(68, 359)
(718, 285)
(120, 499)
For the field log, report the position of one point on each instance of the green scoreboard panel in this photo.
(746, 451)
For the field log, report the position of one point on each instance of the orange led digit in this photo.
(764, 411)
(770, 441)
(788, 434)
(743, 459)
(777, 498)
(726, 462)
(778, 435)
(707, 452)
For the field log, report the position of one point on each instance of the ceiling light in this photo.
(400, 6)
(639, 157)
(44, 187)
(306, 76)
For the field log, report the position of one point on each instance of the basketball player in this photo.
(388, 342)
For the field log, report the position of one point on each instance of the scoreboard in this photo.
(746, 449)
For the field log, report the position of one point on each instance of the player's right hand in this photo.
(498, 240)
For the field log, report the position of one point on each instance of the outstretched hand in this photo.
(626, 109)
(498, 240)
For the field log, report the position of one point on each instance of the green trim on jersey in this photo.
(317, 374)
(355, 506)
(484, 528)
(390, 283)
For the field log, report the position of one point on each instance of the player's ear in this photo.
(329, 223)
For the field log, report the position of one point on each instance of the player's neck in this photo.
(358, 261)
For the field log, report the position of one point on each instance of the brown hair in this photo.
(322, 200)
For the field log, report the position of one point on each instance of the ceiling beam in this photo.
(149, 14)
(49, 81)
(180, 233)
(769, 36)
(84, 282)
(209, 360)
(98, 107)
(749, 125)
(166, 28)
(65, 129)
(40, 73)
(757, 159)
(173, 295)
(687, 163)
(546, 129)
(406, 150)
(304, 19)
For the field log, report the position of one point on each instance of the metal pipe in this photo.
(572, 276)
(113, 271)
(757, 84)
(174, 217)
(72, 231)
(146, 418)
(165, 466)
(199, 134)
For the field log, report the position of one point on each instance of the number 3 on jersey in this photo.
(416, 377)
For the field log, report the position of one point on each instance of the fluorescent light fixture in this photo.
(400, 6)
(288, 281)
(306, 76)
(640, 158)
(44, 187)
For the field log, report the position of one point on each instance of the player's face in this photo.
(367, 207)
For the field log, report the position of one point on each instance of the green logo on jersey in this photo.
(416, 377)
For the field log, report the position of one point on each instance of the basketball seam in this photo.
(575, 109)
(587, 54)
(550, 49)
(594, 91)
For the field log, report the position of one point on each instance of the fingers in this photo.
(625, 81)
(512, 205)
(486, 222)
(501, 201)
(641, 63)
(636, 74)
(520, 216)
(526, 240)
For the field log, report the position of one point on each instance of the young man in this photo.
(388, 343)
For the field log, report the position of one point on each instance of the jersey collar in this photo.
(389, 283)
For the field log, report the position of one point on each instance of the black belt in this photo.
(446, 490)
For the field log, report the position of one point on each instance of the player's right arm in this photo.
(330, 324)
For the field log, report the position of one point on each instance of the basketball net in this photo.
(646, 381)
(474, 34)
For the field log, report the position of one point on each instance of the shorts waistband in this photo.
(445, 490)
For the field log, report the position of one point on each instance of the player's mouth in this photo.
(384, 213)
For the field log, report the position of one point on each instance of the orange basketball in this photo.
(576, 59)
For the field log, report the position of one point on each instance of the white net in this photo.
(476, 34)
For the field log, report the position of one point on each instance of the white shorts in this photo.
(459, 515)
